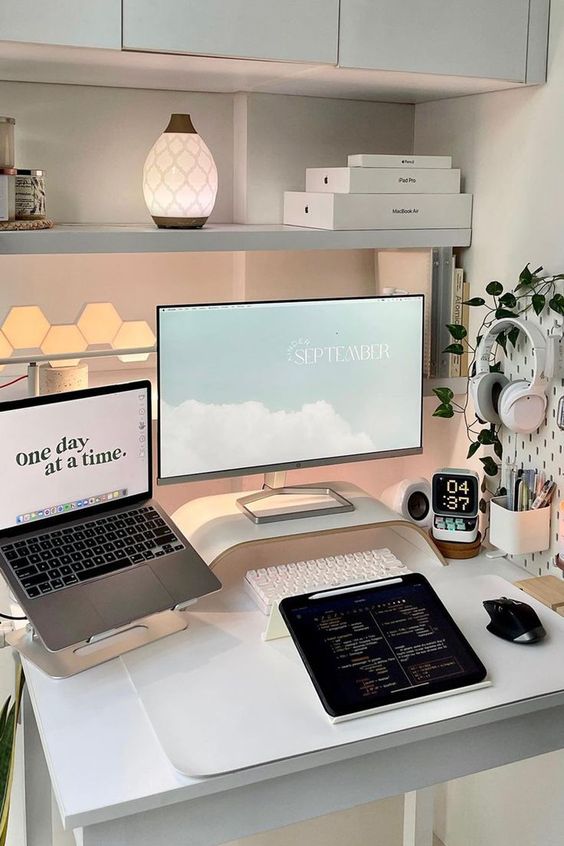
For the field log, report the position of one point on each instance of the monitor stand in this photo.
(308, 501)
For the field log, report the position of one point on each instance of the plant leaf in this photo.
(473, 449)
(525, 277)
(503, 312)
(502, 341)
(490, 467)
(538, 301)
(475, 301)
(498, 448)
(444, 394)
(509, 300)
(444, 410)
(483, 506)
(454, 349)
(512, 335)
(495, 368)
(486, 436)
(557, 303)
(494, 288)
(457, 331)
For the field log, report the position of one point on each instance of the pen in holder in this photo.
(518, 532)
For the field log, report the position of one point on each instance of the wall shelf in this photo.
(79, 238)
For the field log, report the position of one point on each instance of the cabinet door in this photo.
(77, 23)
(482, 38)
(284, 30)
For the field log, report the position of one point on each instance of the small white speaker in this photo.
(412, 499)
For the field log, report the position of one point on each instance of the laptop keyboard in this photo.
(78, 553)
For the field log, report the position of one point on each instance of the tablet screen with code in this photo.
(380, 644)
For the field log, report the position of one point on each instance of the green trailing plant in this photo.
(533, 291)
(9, 717)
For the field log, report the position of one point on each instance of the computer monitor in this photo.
(255, 387)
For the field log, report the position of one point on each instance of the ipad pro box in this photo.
(377, 211)
(382, 180)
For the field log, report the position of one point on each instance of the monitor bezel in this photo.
(91, 510)
(289, 465)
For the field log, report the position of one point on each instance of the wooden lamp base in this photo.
(451, 549)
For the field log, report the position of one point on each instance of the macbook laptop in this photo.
(83, 546)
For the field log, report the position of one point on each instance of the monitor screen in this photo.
(71, 453)
(260, 386)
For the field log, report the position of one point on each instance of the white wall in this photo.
(93, 142)
(278, 136)
(509, 146)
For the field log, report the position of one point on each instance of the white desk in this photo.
(112, 779)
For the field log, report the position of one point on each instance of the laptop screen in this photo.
(65, 454)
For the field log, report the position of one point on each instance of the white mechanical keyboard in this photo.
(271, 584)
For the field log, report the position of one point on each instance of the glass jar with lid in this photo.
(30, 194)
(7, 154)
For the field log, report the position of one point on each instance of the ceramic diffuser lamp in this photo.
(180, 177)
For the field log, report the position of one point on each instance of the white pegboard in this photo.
(543, 449)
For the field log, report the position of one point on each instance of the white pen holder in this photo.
(518, 532)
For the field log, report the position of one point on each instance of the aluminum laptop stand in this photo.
(99, 648)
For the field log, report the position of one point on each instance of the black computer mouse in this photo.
(513, 620)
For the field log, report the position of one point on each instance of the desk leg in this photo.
(418, 814)
(37, 785)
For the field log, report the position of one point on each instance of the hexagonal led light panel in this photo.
(99, 323)
(25, 327)
(5, 349)
(64, 339)
(134, 333)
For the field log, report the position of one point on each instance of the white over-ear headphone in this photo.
(518, 405)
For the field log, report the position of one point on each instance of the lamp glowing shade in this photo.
(64, 339)
(180, 177)
(134, 333)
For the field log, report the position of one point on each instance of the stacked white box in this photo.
(372, 160)
(377, 211)
(381, 192)
(383, 180)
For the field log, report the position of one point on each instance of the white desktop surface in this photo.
(260, 705)
(106, 760)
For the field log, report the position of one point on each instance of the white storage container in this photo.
(519, 532)
(377, 211)
(382, 180)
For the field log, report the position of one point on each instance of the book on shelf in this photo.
(408, 161)
(382, 180)
(318, 210)
(458, 364)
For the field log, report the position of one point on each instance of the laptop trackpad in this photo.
(129, 595)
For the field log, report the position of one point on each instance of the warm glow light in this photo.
(99, 323)
(5, 349)
(64, 339)
(25, 327)
(134, 333)
(180, 177)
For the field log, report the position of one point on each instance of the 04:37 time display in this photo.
(457, 497)
(455, 494)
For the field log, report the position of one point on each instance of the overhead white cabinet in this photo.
(74, 23)
(497, 39)
(281, 30)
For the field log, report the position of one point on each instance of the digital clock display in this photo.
(455, 494)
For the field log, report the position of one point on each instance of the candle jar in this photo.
(30, 194)
(7, 155)
(7, 193)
